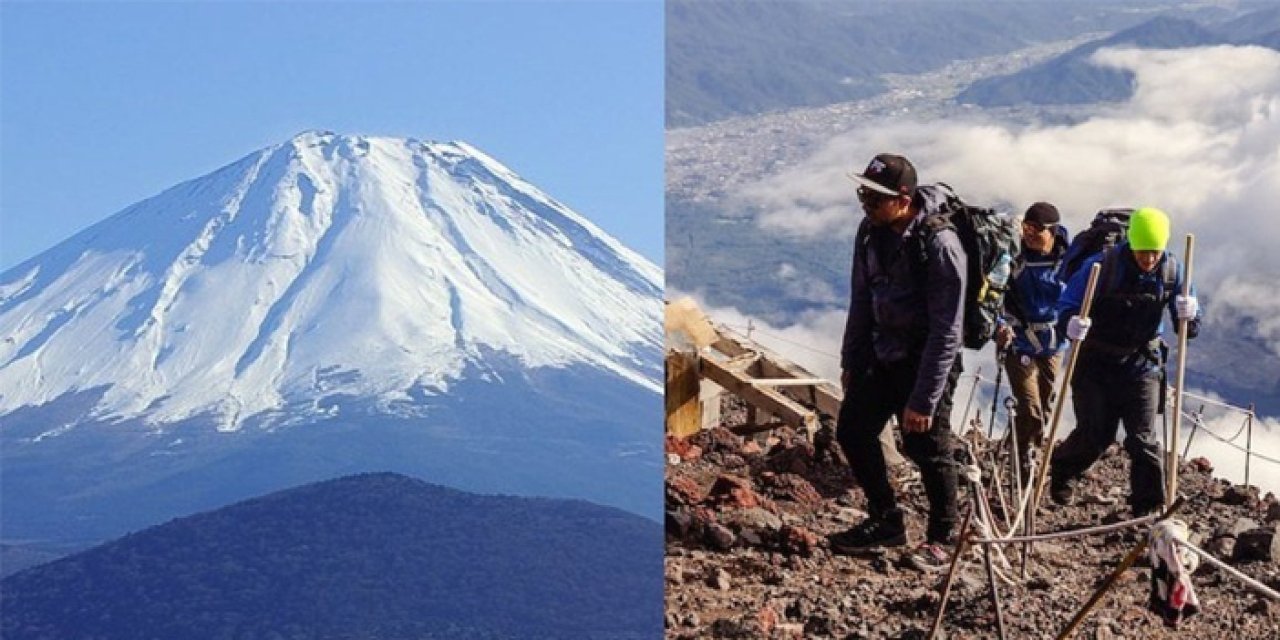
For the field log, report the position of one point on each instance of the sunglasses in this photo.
(871, 197)
(1036, 226)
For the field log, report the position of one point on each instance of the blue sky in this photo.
(105, 104)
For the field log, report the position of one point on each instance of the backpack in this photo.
(989, 239)
(1109, 228)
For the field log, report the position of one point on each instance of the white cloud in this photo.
(1200, 139)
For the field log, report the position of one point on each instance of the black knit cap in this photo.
(888, 174)
(1042, 213)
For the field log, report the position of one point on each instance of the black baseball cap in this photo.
(888, 174)
(1043, 214)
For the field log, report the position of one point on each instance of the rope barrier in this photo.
(1237, 447)
(1211, 401)
(1229, 569)
(1088, 531)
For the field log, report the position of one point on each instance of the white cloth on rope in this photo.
(1172, 594)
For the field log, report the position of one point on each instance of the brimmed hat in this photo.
(888, 174)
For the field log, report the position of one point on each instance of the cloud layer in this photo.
(1200, 138)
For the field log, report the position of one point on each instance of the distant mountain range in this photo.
(728, 59)
(327, 305)
(1072, 79)
(368, 556)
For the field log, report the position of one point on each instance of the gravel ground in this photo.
(747, 553)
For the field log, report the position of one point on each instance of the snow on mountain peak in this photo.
(329, 264)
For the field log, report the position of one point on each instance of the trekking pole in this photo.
(1001, 354)
(1171, 467)
(1062, 394)
(1127, 562)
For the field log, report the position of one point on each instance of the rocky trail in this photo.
(747, 556)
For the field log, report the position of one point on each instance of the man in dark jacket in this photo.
(1120, 370)
(1027, 330)
(901, 357)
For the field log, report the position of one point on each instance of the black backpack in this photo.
(986, 235)
(1109, 228)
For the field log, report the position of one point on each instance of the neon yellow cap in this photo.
(1148, 230)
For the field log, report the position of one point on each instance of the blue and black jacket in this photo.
(1128, 309)
(1031, 305)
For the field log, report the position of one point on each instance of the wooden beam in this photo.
(786, 409)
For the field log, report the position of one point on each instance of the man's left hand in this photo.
(913, 422)
(1187, 306)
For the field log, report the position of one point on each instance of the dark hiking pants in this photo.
(1032, 384)
(1103, 396)
(869, 402)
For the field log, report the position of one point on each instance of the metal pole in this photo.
(964, 417)
(1171, 466)
(995, 591)
(1001, 355)
(1127, 562)
(1248, 444)
(1186, 451)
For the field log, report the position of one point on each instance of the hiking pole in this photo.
(1127, 562)
(1001, 354)
(1062, 394)
(1045, 460)
(1171, 466)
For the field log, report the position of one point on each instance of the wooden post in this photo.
(684, 409)
(1171, 466)
(961, 543)
(1062, 393)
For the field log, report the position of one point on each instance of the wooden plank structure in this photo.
(744, 368)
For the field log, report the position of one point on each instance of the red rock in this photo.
(683, 490)
(1201, 465)
(734, 491)
(798, 540)
(793, 487)
(693, 453)
(768, 619)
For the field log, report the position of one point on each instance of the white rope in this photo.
(1229, 569)
(1237, 447)
(1071, 533)
(1218, 403)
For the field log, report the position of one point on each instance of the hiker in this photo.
(1027, 334)
(901, 357)
(1120, 372)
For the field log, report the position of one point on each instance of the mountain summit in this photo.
(328, 305)
(325, 266)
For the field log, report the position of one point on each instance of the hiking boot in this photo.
(930, 557)
(870, 534)
(1062, 493)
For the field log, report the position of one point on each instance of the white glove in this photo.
(1187, 306)
(1078, 328)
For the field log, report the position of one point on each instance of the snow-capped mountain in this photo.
(324, 266)
(328, 305)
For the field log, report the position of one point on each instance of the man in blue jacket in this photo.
(1120, 371)
(1027, 330)
(901, 357)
